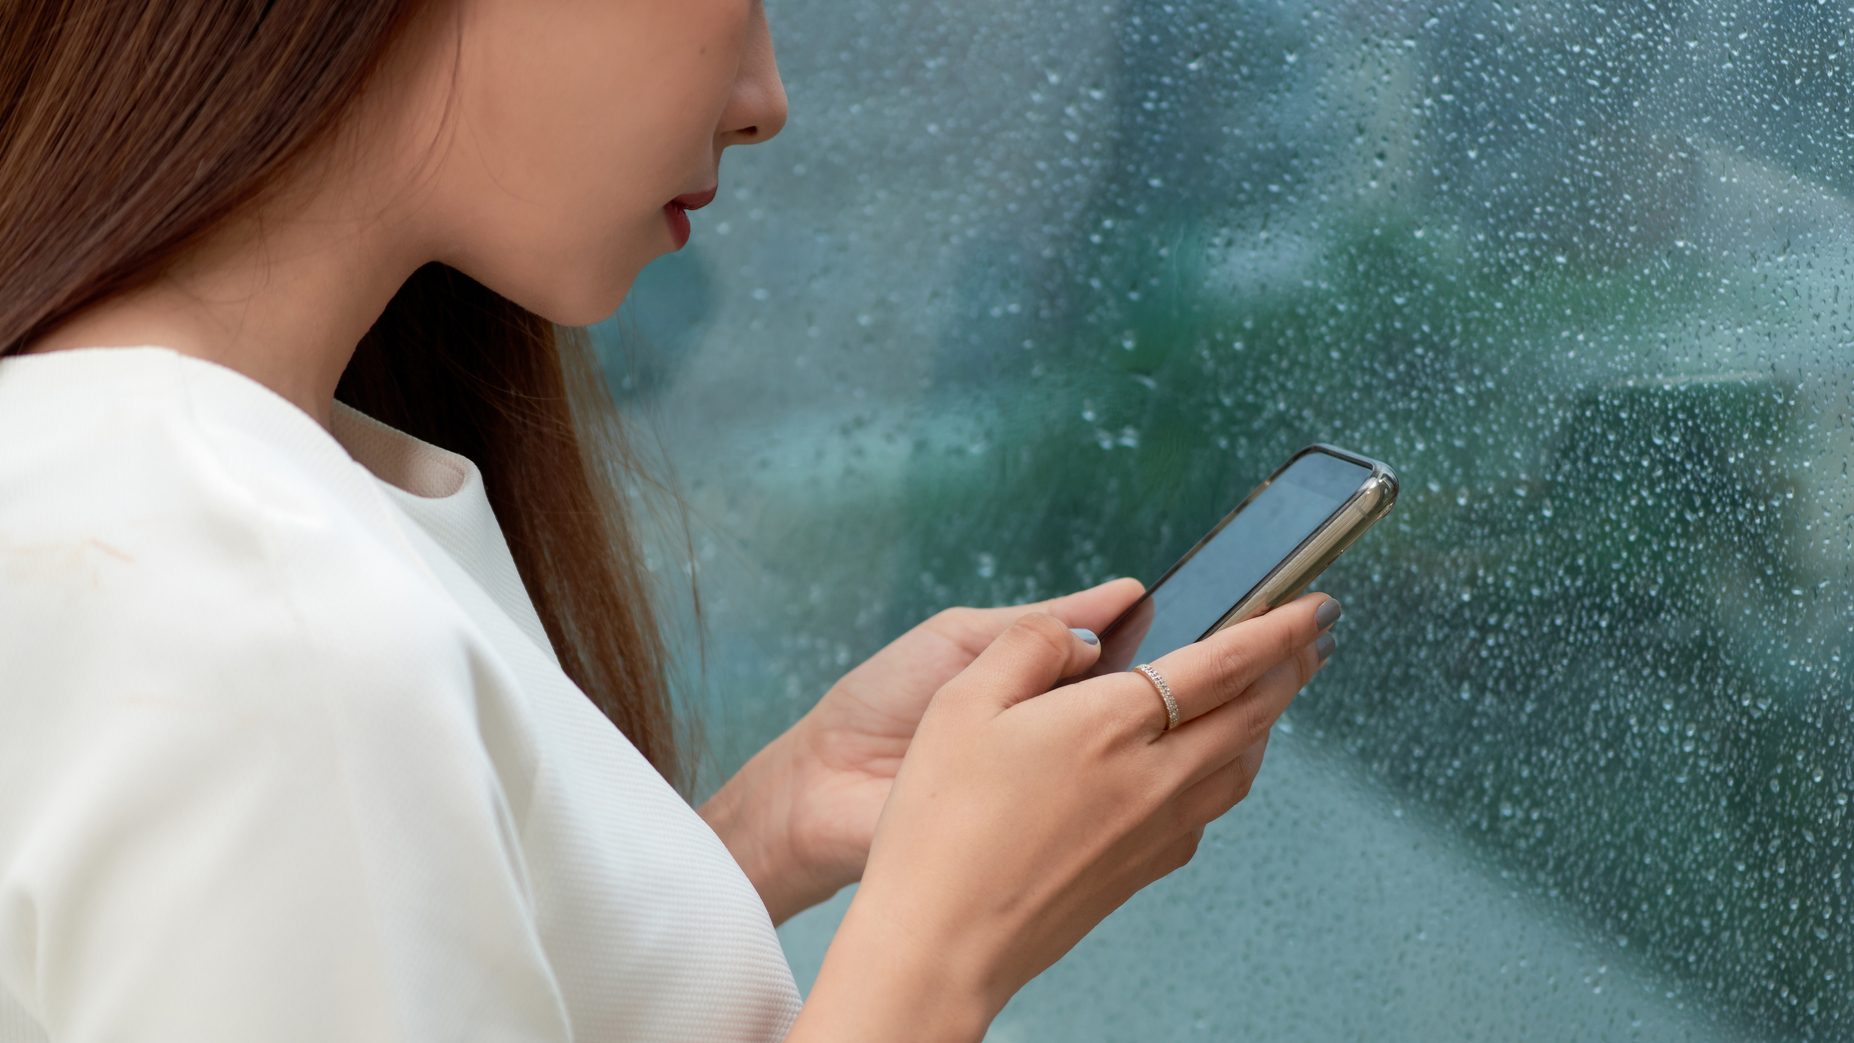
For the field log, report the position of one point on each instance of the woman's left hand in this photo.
(803, 810)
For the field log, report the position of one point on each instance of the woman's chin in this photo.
(590, 306)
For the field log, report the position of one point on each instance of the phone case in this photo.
(1318, 551)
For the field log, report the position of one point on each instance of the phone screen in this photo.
(1203, 587)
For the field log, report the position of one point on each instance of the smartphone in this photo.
(1262, 554)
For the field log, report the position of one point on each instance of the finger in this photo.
(1239, 728)
(1026, 660)
(1093, 608)
(1206, 674)
(1212, 796)
(1251, 758)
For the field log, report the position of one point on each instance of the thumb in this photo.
(1093, 607)
(1032, 654)
(1097, 606)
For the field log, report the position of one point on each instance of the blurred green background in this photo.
(1030, 292)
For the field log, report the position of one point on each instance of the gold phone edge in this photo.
(1291, 577)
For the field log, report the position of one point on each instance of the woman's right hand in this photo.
(1022, 816)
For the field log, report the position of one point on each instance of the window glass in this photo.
(1030, 292)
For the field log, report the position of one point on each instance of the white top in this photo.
(285, 753)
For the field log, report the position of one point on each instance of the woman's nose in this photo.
(759, 109)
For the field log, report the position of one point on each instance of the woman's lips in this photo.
(678, 222)
(676, 211)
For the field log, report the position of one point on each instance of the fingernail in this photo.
(1085, 634)
(1327, 614)
(1324, 645)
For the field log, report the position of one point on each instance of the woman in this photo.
(332, 703)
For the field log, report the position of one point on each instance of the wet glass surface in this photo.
(1030, 292)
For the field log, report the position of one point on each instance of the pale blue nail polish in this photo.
(1085, 634)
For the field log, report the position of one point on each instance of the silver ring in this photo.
(1165, 693)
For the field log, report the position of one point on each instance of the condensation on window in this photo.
(1029, 292)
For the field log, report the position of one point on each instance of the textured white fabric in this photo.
(285, 753)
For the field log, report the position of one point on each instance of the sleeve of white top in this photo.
(283, 824)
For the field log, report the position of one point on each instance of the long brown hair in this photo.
(129, 130)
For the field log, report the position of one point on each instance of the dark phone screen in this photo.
(1233, 563)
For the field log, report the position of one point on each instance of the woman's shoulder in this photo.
(101, 431)
(160, 527)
